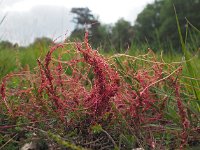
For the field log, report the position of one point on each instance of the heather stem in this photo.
(3, 94)
(183, 115)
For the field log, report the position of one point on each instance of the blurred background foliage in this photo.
(155, 26)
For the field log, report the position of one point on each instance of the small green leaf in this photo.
(96, 129)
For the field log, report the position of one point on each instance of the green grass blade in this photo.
(190, 67)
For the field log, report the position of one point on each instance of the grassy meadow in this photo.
(69, 96)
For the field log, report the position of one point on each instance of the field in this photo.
(70, 96)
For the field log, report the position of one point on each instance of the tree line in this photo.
(155, 25)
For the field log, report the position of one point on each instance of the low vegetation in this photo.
(79, 99)
(71, 96)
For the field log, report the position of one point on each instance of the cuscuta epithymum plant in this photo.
(106, 81)
(85, 88)
(96, 100)
(58, 89)
(63, 93)
(144, 98)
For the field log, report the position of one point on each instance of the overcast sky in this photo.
(28, 19)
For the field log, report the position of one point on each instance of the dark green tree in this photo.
(185, 9)
(100, 36)
(148, 22)
(157, 23)
(122, 34)
(5, 45)
(84, 19)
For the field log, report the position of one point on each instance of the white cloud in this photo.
(108, 10)
(28, 19)
(49, 21)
